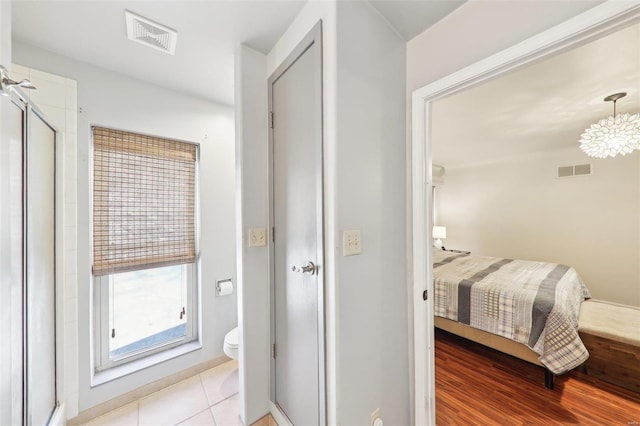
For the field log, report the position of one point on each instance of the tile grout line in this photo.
(223, 400)
(170, 395)
(209, 406)
(220, 402)
(172, 380)
(206, 396)
(196, 414)
(202, 387)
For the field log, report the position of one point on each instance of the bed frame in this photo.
(496, 342)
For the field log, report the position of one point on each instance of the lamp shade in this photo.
(615, 135)
(440, 232)
(618, 134)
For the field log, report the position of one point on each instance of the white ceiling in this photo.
(209, 31)
(545, 106)
(412, 17)
(208, 34)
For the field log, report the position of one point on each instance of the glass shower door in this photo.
(41, 399)
(27, 260)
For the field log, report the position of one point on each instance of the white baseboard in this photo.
(58, 417)
(278, 415)
(142, 391)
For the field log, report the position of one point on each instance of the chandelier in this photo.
(616, 134)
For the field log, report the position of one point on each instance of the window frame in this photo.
(103, 329)
(99, 290)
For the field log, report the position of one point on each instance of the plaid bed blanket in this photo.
(534, 303)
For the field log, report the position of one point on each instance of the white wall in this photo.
(371, 289)
(111, 99)
(5, 34)
(478, 29)
(518, 208)
(251, 210)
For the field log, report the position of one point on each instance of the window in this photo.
(144, 245)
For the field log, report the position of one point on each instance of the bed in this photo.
(524, 308)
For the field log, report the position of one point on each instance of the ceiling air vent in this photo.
(150, 33)
(575, 170)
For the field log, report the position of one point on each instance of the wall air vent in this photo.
(575, 170)
(149, 33)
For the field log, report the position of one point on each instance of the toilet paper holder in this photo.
(224, 287)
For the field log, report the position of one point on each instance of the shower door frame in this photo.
(32, 112)
(29, 113)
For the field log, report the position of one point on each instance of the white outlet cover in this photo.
(351, 242)
(257, 237)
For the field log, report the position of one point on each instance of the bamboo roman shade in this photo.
(143, 201)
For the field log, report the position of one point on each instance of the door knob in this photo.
(309, 268)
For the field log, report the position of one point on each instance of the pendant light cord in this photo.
(614, 98)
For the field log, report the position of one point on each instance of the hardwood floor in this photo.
(476, 385)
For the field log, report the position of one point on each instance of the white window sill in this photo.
(100, 377)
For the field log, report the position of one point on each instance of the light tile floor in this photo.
(206, 399)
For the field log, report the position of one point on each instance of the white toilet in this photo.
(231, 344)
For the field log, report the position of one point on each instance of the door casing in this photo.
(587, 26)
(313, 37)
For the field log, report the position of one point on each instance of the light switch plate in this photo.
(351, 242)
(257, 237)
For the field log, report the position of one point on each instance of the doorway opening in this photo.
(588, 26)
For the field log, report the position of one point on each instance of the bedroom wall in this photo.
(111, 99)
(518, 208)
(428, 60)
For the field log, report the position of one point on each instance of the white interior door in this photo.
(296, 105)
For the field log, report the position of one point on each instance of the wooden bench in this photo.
(611, 334)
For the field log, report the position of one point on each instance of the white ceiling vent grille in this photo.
(149, 33)
(575, 170)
